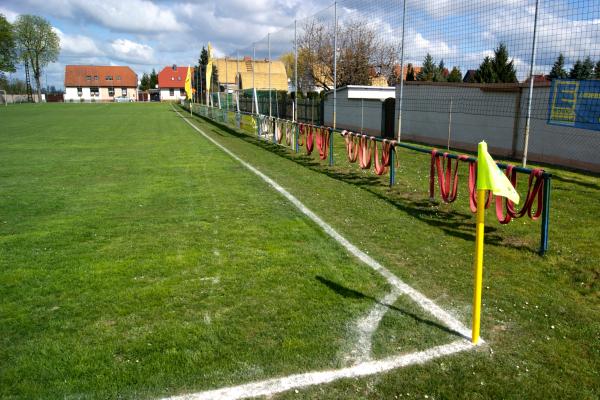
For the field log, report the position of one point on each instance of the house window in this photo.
(181, 92)
(108, 77)
(94, 91)
(172, 78)
(111, 91)
(88, 77)
(178, 78)
(171, 92)
(118, 77)
(95, 77)
(79, 91)
(123, 91)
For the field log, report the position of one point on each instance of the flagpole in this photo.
(479, 232)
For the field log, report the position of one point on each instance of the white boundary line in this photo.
(366, 368)
(278, 385)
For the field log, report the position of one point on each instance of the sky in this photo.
(147, 34)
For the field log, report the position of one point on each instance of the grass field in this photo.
(139, 261)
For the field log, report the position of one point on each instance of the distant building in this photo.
(99, 83)
(171, 83)
(244, 74)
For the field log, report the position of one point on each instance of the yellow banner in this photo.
(188, 83)
(209, 68)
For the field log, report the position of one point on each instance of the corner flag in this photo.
(188, 83)
(489, 177)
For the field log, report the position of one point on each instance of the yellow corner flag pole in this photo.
(489, 177)
(188, 87)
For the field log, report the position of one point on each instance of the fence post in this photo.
(545, 215)
(253, 85)
(269, 46)
(531, 79)
(295, 71)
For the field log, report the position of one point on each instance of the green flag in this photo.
(490, 177)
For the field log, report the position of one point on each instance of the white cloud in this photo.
(129, 51)
(10, 15)
(77, 44)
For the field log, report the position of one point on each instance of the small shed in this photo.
(359, 108)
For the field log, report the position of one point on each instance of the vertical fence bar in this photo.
(295, 71)
(226, 85)
(449, 123)
(334, 63)
(255, 108)
(392, 166)
(269, 45)
(237, 83)
(545, 215)
(531, 79)
(401, 95)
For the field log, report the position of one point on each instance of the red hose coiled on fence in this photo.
(323, 141)
(278, 131)
(351, 146)
(473, 189)
(386, 149)
(533, 191)
(447, 180)
(310, 143)
(364, 152)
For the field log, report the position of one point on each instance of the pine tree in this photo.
(455, 75)
(428, 70)
(558, 69)
(597, 70)
(145, 82)
(203, 56)
(438, 75)
(587, 69)
(410, 72)
(576, 71)
(486, 73)
(504, 70)
(153, 79)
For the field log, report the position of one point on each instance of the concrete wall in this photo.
(166, 96)
(350, 112)
(71, 94)
(496, 116)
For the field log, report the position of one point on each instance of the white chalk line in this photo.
(278, 385)
(313, 378)
(366, 326)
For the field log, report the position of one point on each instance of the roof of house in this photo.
(470, 76)
(100, 76)
(172, 77)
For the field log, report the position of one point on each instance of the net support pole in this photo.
(255, 108)
(392, 166)
(401, 94)
(334, 63)
(295, 71)
(269, 46)
(531, 79)
(237, 81)
(226, 85)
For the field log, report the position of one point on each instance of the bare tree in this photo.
(361, 54)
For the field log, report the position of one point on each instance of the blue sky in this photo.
(148, 34)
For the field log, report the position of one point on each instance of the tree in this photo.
(410, 72)
(7, 46)
(145, 82)
(360, 49)
(504, 70)
(203, 56)
(428, 70)
(587, 68)
(597, 70)
(440, 73)
(455, 75)
(558, 69)
(37, 44)
(485, 73)
(153, 79)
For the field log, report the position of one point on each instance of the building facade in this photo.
(171, 83)
(90, 83)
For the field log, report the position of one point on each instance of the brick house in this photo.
(99, 83)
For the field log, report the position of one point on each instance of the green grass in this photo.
(137, 261)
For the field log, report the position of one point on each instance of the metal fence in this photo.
(524, 75)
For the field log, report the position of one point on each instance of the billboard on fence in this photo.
(575, 103)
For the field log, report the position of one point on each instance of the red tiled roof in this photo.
(95, 75)
(172, 77)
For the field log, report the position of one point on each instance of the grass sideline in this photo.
(67, 184)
